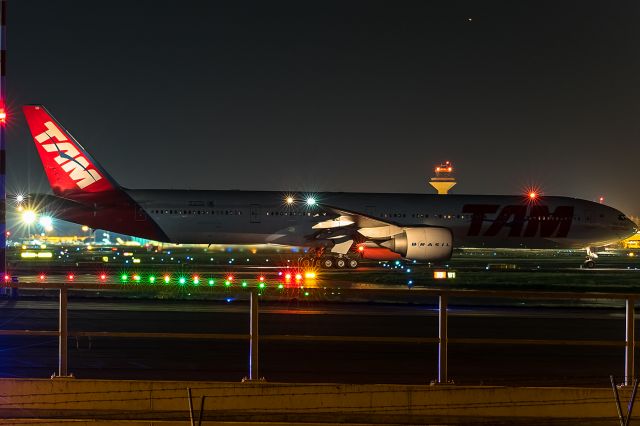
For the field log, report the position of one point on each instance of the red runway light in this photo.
(261, 278)
(7, 278)
(70, 277)
(230, 278)
(103, 277)
(42, 277)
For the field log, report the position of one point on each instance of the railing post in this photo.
(630, 341)
(253, 334)
(62, 334)
(442, 336)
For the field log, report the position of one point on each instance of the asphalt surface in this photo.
(349, 361)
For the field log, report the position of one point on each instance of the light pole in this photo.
(3, 122)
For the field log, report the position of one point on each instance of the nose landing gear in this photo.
(590, 261)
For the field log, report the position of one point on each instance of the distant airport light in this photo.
(601, 200)
(3, 116)
(29, 216)
(46, 221)
(19, 198)
(533, 195)
(311, 201)
(287, 276)
(7, 278)
(298, 277)
(289, 200)
(310, 275)
(440, 275)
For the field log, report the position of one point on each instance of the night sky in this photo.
(336, 95)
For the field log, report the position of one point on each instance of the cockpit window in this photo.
(622, 217)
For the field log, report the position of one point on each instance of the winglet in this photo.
(69, 168)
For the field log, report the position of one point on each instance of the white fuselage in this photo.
(252, 217)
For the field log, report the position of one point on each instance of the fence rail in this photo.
(443, 295)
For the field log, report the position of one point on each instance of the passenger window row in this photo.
(198, 212)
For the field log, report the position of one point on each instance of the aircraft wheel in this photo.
(353, 263)
(341, 263)
(327, 262)
(306, 262)
(589, 264)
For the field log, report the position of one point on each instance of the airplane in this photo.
(339, 228)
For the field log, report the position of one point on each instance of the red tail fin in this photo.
(68, 166)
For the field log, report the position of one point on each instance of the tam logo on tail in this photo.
(68, 156)
(68, 166)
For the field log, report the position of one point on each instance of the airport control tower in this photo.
(443, 181)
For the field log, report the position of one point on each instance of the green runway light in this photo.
(227, 283)
(124, 277)
(182, 280)
(244, 283)
(152, 279)
(306, 293)
(281, 286)
(167, 279)
(196, 280)
(261, 285)
(136, 278)
(211, 282)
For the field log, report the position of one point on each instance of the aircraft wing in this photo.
(344, 227)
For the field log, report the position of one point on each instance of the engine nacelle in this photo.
(430, 244)
(378, 253)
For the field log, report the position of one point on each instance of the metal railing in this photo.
(443, 295)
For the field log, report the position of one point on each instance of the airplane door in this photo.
(140, 215)
(370, 211)
(254, 213)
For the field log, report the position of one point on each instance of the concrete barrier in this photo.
(165, 402)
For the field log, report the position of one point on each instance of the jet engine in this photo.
(429, 244)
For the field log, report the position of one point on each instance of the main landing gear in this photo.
(329, 261)
(590, 261)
